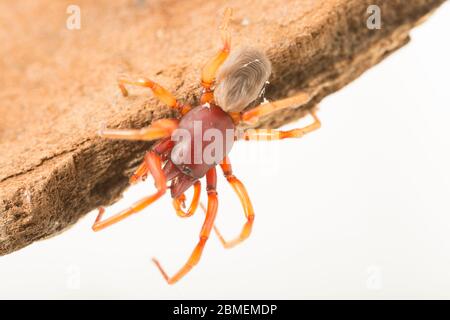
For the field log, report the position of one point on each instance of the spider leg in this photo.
(139, 174)
(161, 148)
(178, 203)
(158, 129)
(241, 192)
(160, 92)
(211, 212)
(253, 115)
(153, 163)
(269, 134)
(210, 69)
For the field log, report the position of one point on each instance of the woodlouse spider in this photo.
(184, 154)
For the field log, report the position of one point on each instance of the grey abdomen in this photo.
(241, 78)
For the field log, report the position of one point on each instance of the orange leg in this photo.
(241, 192)
(162, 148)
(210, 69)
(153, 163)
(158, 129)
(211, 212)
(269, 134)
(180, 202)
(160, 92)
(253, 115)
(139, 174)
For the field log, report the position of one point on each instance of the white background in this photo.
(358, 209)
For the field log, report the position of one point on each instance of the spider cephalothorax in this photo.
(190, 147)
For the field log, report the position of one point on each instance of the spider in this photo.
(230, 81)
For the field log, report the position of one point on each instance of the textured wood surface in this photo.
(59, 85)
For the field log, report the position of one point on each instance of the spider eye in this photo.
(186, 170)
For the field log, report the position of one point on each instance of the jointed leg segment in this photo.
(241, 192)
(153, 163)
(211, 212)
(178, 203)
(157, 130)
(210, 69)
(160, 128)
(251, 116)
(269, 134)
(139, 174)
(159, 92)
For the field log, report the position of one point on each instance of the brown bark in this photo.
(59, 85)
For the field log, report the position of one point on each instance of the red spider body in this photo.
(186, 152)
(204, 137)
(190, 147)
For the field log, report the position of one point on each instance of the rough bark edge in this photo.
(108, 164)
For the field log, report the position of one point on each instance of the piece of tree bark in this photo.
(59, 85)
